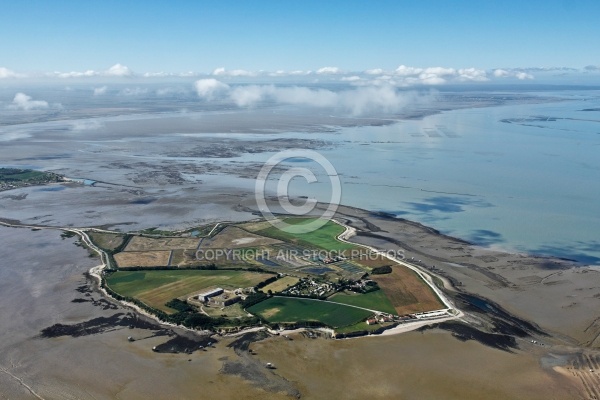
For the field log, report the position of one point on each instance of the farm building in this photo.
(211, 293)
(225, 300)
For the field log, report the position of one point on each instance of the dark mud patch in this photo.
(257, 374)
(99, 325)
(242, 344)
(185, 344)
(465, 332)
(503, 322)
(90, 327)
(255, 371)
(102, 303)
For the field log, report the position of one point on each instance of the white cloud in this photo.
(99, 91)
(403, 70)
(167, 91)
(289, 73)
(245, 96)
(118, 70)
(353, 78)
(375, 71)
(472, 74)
(206, 88)
(357, 101)
(329, 71)
(160, 74)
(407, 76)
(503, 73)
(7, 73)
(75, 74)
(24, 102)
(236, 72)
(523, 75)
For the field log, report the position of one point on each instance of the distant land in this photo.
(13, 178)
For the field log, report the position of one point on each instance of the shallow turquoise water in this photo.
(524, 178)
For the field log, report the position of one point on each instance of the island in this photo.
(13, 178)
(233, 277)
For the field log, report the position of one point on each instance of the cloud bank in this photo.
(357, 101)
(521, 75)
(402, 76)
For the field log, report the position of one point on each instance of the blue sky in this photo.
(296, 35)
(378, 43)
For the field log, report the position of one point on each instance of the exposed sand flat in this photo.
(415, 365)
(558, 295)
(433, 365)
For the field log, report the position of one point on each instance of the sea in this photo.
(522, 178)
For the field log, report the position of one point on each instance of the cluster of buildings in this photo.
(361, 285)
(329, 260)
(310, 288)
(380, 319)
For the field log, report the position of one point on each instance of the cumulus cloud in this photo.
(503, 73)
(289, 73)
(7, 73)
(207, 88)
(357, 101)
(437, 75)
(76, 74)
(329, 71)
(403, 70)
(375, 71)
(118, 70)
(169, 91)
(99, 91)
(236, 72)
(24, 102)
(472, 74)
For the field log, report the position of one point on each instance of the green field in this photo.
(14, 175)
(155, 288)
(290, 309)
(324, 237)
(376, 300)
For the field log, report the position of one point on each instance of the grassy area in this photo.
(281, 284)
(232, 311)
(18, 175)
(325, 237)
(361, 326)
(22, 177)
(376, 300)
(155, 288)
(290, 309)
(107, 241)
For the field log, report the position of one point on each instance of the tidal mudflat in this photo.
(535, 317)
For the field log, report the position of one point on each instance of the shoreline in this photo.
(372, 230)
(96, 273)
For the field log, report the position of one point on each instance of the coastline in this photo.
(365, 229)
